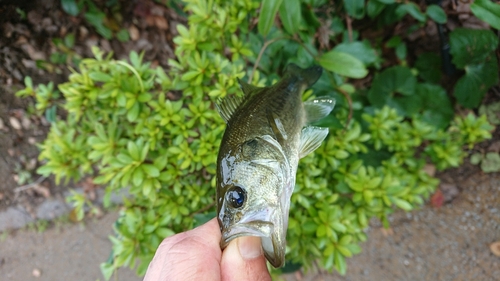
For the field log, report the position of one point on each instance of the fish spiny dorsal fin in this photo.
(318, 108)
(310, 139)
(308, 76)
(228, 105)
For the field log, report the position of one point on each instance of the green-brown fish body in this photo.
(258, 157)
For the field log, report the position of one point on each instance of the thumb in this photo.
(243, 260)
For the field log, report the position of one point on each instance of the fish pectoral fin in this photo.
(228, 105)
(318, 108)
(310, 139)
(277, 126)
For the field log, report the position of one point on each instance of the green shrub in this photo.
(157, 133)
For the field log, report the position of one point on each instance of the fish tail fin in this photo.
(309, 75)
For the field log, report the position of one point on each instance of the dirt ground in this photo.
(28, 32)
(448, 243)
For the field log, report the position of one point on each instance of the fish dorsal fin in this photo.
(310, 139)
(247, 88)
(277, 126)
(228, 105)
(318, 108)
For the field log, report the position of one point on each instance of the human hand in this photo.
(196, 255)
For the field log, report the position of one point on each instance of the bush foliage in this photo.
(156, 132)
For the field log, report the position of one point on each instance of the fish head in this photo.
(254, 189)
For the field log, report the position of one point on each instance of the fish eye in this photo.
(236, 196)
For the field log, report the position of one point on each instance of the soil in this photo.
(27, 33)
(447, 243)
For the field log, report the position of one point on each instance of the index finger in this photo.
(191, 255)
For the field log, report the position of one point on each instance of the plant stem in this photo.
(259, 57)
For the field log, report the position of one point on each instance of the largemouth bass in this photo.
(265, 137)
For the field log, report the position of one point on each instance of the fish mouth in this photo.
(272, 246)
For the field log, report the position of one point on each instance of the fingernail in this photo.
(249, 247)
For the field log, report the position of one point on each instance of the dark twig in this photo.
(31, 185)
(202, 209)
(259, 57)
(349, 102)
(348, 21)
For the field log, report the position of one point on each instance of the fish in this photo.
(267, 132)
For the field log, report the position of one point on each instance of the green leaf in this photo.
(100, 76)
(354, 248)
(69, 40)
(151, 170)
(476, 158)
(471, 46)
(344, 251)
(107, 270)
(268, 11)
(355, 8)
(339, 227)
(70, 7)
(368, 196)
(138, 176)
(51, 114)
(343, 64)
(363, 51)
(396, 80)
(436, 105)
(290, 15)
(406, 105)
(374, 8)
(133, 150)
(309, 227)
(436, 13)
(429, 67)
(163, 232)
(412, 9)
(492, 112)
(346, 239)
(200, 219)
(401, 51)
(487, 11)
(478, 79)
(96, 19)
(403, 204)
(147, 188)
(123, 35)
(321, 230)
(290, 267)
(340, 263)
(28, 82)
(133, 112)
(491, 163)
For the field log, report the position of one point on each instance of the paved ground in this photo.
(447, 244)
(72, 252)
(450, 243)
